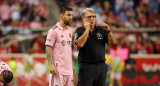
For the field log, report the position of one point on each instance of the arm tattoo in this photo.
(49, 55)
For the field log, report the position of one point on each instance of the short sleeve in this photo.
(4, 66)
(8, 67)
(51, 37)
(76, 35)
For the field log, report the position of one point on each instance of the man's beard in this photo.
(68, 22)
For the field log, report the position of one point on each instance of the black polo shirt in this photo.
(93, 50)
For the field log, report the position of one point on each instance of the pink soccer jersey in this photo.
(61, 41)
(3, 66)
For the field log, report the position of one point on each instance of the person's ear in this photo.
(83, 19)
(61, 16)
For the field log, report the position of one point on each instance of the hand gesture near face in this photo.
(105, 26)
(86, 25)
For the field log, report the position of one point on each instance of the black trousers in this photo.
(92, 74)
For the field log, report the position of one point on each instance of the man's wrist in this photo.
(108, 31)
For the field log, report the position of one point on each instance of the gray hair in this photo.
(87, 10)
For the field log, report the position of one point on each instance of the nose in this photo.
(70, 17)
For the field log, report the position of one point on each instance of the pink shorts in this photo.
(61, 80)
(116, 75)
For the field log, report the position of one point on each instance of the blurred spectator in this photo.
(138, 43)
(82, 7)
(5, 11)
(143, 8)
(111, 19)
(79, 24)
(116, 71)
(32, 13)
(143, 21)
(123, 42)
(122, 19)
(43, 13)
(15, 13)
(13, 45)
(36, 23)
(149, 47)
(130, 64)
(131, 14)
(3, 49)
(106, 7)
(5, 29)
(153, 5)
(112, 5)
(121, 9)
(132, 48)
(24, 8)
(34, 2)
(142, 50)
(36, 48)
(24, 23)
(154, 19)
(119, 4)
(128, 3)
(145, 2)
(132, 24)
(97, 7)
(40, 41)
(38, 44)
(74, 7)
(157, 45)
(100, 17)
(28, 64)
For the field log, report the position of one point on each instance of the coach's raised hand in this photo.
(105, 26)
(86, 25)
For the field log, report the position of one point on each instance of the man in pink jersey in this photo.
(59, 50)
(6, 74)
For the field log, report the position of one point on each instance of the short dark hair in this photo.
(64, 9)
(7, 76)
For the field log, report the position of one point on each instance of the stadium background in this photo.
(135, 23)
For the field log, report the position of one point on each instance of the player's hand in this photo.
(52, 69)
(86, 25)
(105, 26)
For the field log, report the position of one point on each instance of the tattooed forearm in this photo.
(49, 55)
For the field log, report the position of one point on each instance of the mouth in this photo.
(91, 22)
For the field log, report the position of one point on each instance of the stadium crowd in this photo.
(131, 14)
(119, 14)
(23, 13)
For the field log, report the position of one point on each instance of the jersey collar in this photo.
(60, 27)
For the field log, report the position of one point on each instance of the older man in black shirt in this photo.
(90, 40)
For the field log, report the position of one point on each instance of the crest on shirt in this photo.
(99, 35)
(62, 36)
(70, 35)
(63, 42)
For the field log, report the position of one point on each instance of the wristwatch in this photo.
(108, 31)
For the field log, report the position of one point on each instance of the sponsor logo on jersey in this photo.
(99, 35)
